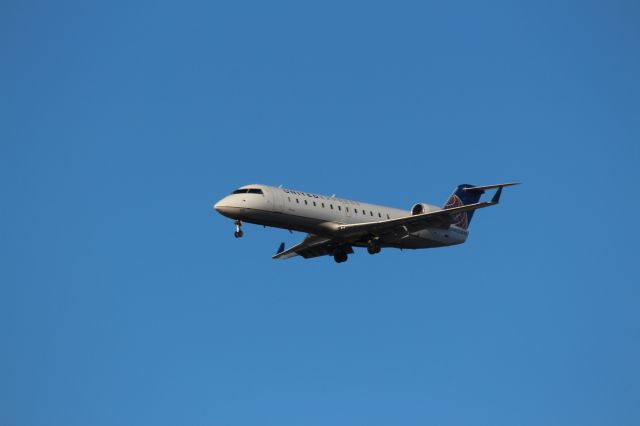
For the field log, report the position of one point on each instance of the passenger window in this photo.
(339, 208)
(297, 201)
(331, 205)
(364, 213)
(347, 208)
(323, 205)
(355, 210)
(379, 215)
(388, 216)
(289, 199)
(305, 202)
(314, 204)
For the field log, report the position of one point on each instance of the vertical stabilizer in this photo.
(462, 197)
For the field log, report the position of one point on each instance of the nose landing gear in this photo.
(238, 233)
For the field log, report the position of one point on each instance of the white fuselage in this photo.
(320, 215)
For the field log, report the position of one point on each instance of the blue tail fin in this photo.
(459, 198)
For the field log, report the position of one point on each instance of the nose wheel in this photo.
(238, 233)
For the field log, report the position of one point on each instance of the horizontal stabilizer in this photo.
(483, 188)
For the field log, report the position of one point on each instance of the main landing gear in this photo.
(340, 257)
(373, 247)
(238, 233)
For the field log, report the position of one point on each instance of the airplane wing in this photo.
(408, 224)
(311, 246)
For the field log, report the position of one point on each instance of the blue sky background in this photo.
(124, 299)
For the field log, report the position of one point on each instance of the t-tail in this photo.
(465, 195)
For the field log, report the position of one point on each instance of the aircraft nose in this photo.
(224, 206)
(221, 207)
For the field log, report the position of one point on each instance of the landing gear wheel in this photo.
(373, 249)
(238, 233)
(340, 257)
(372, 246)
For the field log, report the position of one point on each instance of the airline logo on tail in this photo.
(460, 219)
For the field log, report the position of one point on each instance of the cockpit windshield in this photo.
(248, 191)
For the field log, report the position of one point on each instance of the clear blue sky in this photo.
(125, 300)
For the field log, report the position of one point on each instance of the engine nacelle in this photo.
(422, 208)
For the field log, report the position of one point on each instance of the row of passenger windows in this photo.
(306, 203)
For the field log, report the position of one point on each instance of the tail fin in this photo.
(462, 197)
(469, 194)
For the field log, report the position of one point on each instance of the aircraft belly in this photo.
(413, 242)
(424, 239)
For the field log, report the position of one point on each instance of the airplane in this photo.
(335, 225)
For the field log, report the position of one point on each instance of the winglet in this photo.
(280, 249)
(496, 196)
